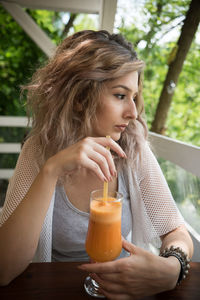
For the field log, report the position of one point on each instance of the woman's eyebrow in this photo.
(123, 87)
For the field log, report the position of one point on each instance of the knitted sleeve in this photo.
(156, 195)
(154, 210)
(26, 170)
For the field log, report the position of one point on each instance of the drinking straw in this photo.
(105, 184)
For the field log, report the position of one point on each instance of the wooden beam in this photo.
(107, 14)
(78, 6)
(30, 27)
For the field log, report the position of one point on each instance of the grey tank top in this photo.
(70, 226)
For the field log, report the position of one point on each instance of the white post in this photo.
(107, 14)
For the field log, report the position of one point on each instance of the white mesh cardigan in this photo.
(154, 211)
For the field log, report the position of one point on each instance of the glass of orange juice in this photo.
(103, 241)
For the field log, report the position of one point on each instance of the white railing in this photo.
(184, 155)
(13, 121)
(10, 147)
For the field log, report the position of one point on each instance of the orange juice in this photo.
(103, 242)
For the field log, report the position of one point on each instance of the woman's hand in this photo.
(139, 275)
(90, 153)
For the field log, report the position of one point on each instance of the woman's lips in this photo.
(121, 127)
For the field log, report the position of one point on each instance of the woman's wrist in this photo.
(50, 169)
(174, 270)
(181, 257)
(168, 272)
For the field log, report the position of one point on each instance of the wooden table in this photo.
(64, 281)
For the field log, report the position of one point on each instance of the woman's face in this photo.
(117, 106)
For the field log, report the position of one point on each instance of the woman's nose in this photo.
(130, 111)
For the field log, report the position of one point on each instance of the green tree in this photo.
(176, 61)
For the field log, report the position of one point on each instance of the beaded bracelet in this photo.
(183, 259)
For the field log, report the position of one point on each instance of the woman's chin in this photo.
(116, 136)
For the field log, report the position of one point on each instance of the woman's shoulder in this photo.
(31, 151)
(148, 152)
(31, 145)
(29, 142)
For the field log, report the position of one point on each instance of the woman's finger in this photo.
(107, 285)
(111, 277)
(108, 156)
(109, 142)
(94, 167)
(104, 267)
(129, 247)
(99, 154)
(102, 163)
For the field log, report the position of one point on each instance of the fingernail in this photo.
(105, 179)
(124, 155)
(113, 173)
(109, 178)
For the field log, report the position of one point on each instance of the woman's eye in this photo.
(120, 96)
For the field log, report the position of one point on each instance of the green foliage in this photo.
(161, 16)
(19, 56)
(185, 189)
(3, 188)
(171, 175)
(8, 161)
(84, 21)
(50, 22)
(183, 121)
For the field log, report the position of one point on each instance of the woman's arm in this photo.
(178, 238)
(180, 243)
(19, 235)
(142, 273)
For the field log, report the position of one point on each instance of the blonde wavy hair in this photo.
(63, 96)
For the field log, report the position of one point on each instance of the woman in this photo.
(91, 88)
